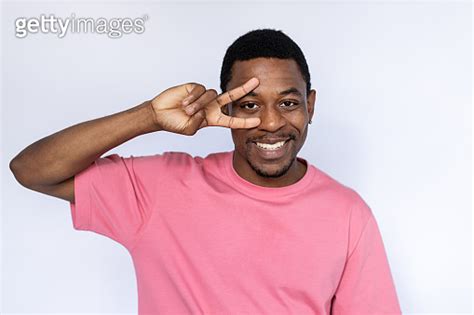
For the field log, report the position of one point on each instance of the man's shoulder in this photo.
(177, 159)
(325, 181)
(181, 156)
(340, 193)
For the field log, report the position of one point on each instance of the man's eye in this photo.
(249, 106)
(289, 103)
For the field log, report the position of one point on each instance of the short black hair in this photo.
(268, 43)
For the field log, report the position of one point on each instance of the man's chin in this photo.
(271, 171)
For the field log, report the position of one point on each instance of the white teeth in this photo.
(274, 146)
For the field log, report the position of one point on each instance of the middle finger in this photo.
(237, 93)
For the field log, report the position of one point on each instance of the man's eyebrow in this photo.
(291, 90)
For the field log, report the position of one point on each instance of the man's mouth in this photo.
(271, 146)
(271, 149)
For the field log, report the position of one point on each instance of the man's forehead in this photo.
(278, 91)
(274, 74)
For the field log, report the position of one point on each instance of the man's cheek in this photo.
(298, 121)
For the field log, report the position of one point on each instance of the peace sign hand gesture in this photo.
(186, 108)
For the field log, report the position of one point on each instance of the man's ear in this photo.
(310, 103)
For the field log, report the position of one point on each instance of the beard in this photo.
(282, 170)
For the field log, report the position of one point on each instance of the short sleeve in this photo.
(366, 286)
(114, 197)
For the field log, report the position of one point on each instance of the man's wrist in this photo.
(150, 122)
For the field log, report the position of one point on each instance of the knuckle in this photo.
(192, 84)
(232, 95)
(220, 101)
(196, 87)
(213, 92)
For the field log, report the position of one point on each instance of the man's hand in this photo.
(186, 108)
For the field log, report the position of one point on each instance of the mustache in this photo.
(290, 136)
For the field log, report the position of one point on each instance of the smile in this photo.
(268, 146)
(272, 151)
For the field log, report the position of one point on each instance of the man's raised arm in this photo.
(50, 164)
(55, 159)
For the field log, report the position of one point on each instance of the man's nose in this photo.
(271, 119)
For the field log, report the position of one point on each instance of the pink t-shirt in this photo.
(203, 240)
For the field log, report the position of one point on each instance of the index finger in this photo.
(238, 92)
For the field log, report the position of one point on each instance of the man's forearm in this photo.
(60, 156)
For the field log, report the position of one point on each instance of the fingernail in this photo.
(185, 102)
(256, 121)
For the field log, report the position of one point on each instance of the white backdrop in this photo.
(392, 120)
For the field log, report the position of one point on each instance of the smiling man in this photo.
(256, 230)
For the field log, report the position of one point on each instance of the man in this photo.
(256, 230)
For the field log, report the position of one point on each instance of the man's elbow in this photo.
(18, 172)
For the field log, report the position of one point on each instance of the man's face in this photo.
(284, 109)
